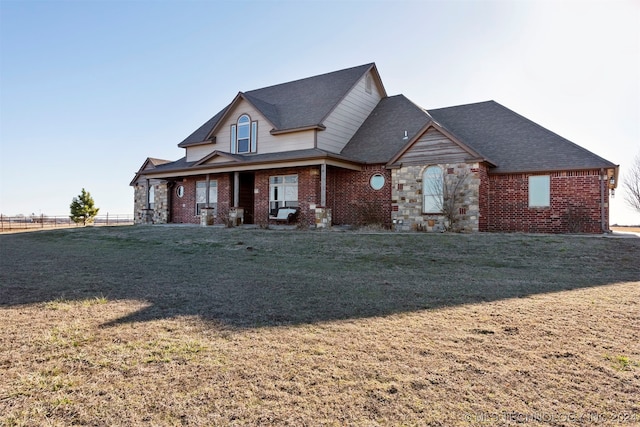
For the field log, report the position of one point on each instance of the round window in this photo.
(377, 181)
(180, 190)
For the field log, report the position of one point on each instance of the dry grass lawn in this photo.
(191, 326)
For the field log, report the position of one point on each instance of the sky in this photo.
(90, 89)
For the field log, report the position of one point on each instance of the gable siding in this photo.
(267, 143)
(197, 152)
(348, 116)
(432, 148)
(217, 160)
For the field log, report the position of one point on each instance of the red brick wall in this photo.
(183, 209)
(575, 204)
(308, 192)
(353, 201)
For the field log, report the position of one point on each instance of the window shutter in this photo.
(233, 138)
(254, 136)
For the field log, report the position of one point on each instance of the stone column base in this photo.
(236, 216)
(207, 216)
(323, 217)
(147, 216)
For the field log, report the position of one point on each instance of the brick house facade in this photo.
(335, 149)
(575, 204)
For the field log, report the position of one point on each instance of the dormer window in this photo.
(244, 135)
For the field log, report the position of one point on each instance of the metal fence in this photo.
(34, 222)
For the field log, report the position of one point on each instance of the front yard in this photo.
(200, 326)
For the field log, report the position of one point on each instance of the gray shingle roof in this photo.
(201, 133)
(249, 159)
(293, 105)
(513, 142)
(381, 135)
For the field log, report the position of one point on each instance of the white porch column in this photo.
(207, 190)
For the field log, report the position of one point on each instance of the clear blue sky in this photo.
(89, 89)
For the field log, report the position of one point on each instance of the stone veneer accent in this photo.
(406, 199)
(160, 213)
(323, 217)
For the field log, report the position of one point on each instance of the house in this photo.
(336, 149)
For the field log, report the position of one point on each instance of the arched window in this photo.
(244, 135)
(432, 190)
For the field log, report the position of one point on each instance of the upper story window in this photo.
(244, 135)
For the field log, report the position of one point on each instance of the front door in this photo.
(246, 195)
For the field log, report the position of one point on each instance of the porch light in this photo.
(612, 181)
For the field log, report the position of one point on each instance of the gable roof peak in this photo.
(294, 105)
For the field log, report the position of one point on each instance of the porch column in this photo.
(236, 189)
(323, 185)
(207, 190)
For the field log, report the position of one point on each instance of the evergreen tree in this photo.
(83, 208)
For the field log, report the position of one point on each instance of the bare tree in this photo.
(447, 190)
(632, 184)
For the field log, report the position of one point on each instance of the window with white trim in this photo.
(283, 192)
(376, 181)
(151, 197)
(201, 195)
(432, 190)
(539, 191)
(244, 135)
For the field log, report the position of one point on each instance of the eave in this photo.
(250, 165)
(611, 172)
(318, 127)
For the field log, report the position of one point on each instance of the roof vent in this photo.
(405, 135)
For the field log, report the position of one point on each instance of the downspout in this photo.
(602, 184)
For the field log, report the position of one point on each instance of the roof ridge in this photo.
(491, 101)
(311, 77)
